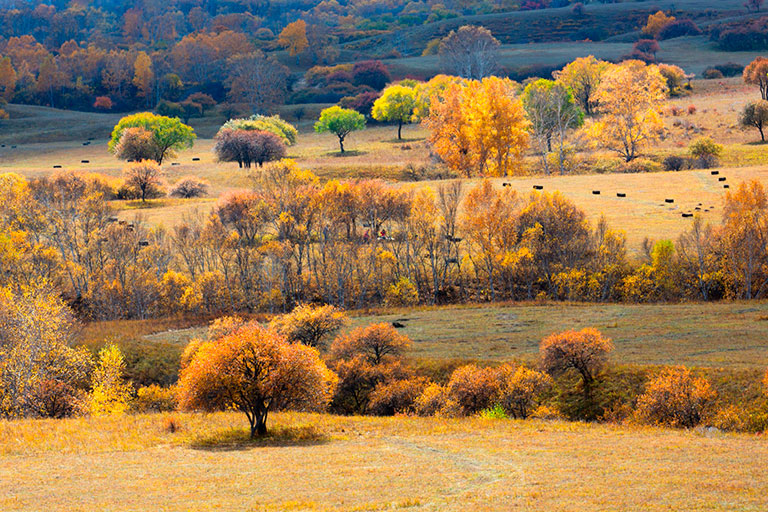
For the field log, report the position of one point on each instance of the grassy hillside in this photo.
(331, 463)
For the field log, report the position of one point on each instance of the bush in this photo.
(675, 398)
(640, 165)
(154, 398)
(520, 389)
(706, 152)
(396, 397)
(402, 293)
(473, 389)
(679, 28)
(583, 352)
(311, 325)
(712, 74)
(372, 73)
(433, 401)
(189, 187)
(675, 163)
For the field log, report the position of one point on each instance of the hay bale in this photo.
(196, 159)
(85, 161)
(596, 192)
(398, 325)
(669, 200)
(721, 179)
(143, 243)
(57, 167)
(538, 187)
(714, 173)
(726, 186)
(687, 215)
(174, 163)
(621, 194)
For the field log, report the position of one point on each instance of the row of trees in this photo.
(300, 362)
(290, 239)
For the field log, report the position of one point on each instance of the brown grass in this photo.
(331, 463)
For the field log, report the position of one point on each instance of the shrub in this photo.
(154, 398)
(706, 151)
(377, 343)
(189, 187)
(170, 109)
(730, 69)
(520, 389)
(640, 165)
(362, 102)
(372, 73)
(402, 293)
(679, 28)
(473, 389)
(432, 401)
(396, 397)
(675, 398)
(144, 177)
(103, 103)
(675, 163)
(691, 109)
(712, 74)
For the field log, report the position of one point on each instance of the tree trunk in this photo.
(341, 144)
(399, 130)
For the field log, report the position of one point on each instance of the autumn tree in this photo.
(744, 239)
(756, 73)
(137, 143)
(50, 79)
(629, 95)
(755, 115)
(473, 389)
(110, 393)
(675, 398)
(168, 134)
(656, 23)
(552, 111)
(310, 325)
(372, 73)
(364, 359)
(145, 176)
(273, 124)
(397, 104)
(469, 52)
(40, 373)
(583, 76)
(255, 371)
(103, 103)
(584, 352)
(256, 80)
(294, 38)
(8, 78)
(143, 76)
(248, 146)
(341, 122)
(479, 128)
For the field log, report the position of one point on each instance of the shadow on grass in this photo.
(346, 153)
(756, 143)
(234, 439)
(404, 140)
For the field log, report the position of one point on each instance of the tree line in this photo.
(290, 239)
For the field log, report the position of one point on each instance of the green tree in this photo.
(168, 134)
(552, 111)
(340, 121)
(396, 105)
(755, 115)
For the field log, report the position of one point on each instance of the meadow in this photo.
(333, 463)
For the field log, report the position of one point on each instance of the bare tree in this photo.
(256, 80)
(470, 52)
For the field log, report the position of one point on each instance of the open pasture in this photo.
(344, 464)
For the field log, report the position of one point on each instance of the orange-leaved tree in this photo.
(310, 325)
(255, 370)
(756, 73)
(676, 398)
(585, 352)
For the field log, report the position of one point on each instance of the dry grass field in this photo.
(713, 335)
(376, 153)
(331, 463)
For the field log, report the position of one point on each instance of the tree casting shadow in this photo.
(236, 439)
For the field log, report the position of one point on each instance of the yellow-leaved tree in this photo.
(111, 393)
(294, 38)
(479, 128)
(629, 95)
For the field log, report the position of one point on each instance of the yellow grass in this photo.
(331, 463)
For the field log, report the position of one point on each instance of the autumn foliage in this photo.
(255, 370)
(676, 398)
(584, 352)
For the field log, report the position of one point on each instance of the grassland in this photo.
(331, 463)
